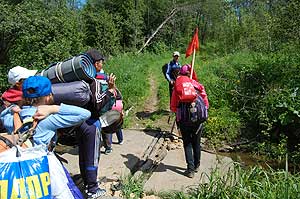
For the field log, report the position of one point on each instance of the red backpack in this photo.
(184, 89)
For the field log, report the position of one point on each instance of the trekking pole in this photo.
(198, 128)
(173, 125)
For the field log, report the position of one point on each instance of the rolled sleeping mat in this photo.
(76, 68)
(76, 93)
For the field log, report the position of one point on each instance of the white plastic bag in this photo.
(62, 187)
(24, 173)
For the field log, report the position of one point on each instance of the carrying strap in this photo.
(6, 141)
(18, 125)
(17, 121)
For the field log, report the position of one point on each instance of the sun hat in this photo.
(176, 53)
(185, 69)
(95, 55)
(19, 72)
(36, 86)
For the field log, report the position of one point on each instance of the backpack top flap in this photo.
(185, 89)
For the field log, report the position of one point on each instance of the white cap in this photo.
(18, 72)
(176, 53)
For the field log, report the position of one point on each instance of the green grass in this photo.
(132, 187)
(237, 183)
(133, 73)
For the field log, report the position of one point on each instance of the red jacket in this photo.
(199, 88)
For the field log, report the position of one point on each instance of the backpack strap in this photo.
(24, 136)
(17, 121)
(6, 141)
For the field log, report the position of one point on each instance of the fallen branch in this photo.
(159, 27)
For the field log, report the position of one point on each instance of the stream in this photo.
(250, 160)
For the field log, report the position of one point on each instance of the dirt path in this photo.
(152, 101)
(150, 117)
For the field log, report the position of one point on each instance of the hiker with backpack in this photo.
(37, 104)
(172, 71)
(118, 106)
(89, 133)
(13, 95)
(189, 102)
(41, 120)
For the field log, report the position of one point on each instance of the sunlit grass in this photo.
(241, 183)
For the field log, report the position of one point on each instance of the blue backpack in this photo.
(192, 113)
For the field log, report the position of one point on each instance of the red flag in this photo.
(194, 44)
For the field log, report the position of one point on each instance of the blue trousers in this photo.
(89, 139)
(191, 144)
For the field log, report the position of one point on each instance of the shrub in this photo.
(223, 125)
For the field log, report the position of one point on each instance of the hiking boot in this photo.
(190, 173)
(108, 150)
(99, 192)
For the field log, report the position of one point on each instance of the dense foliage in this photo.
(249, 57)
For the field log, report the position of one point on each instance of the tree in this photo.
(100, 30)
(43, 34)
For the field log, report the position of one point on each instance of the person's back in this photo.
(189, 121)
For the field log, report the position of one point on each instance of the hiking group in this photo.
(35, 107)
(31, 98)
(188, 100)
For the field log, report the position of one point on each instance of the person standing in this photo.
(38, 103)
(173, 70)
(13, 95)
(190, 127)
(16, 76)
(89, 133)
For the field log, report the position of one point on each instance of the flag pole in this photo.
(193, 62)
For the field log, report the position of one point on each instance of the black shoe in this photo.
(190, 173)
(197, 168)
(108, 150)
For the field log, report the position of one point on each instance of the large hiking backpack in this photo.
(193, 112)
(184, 89)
